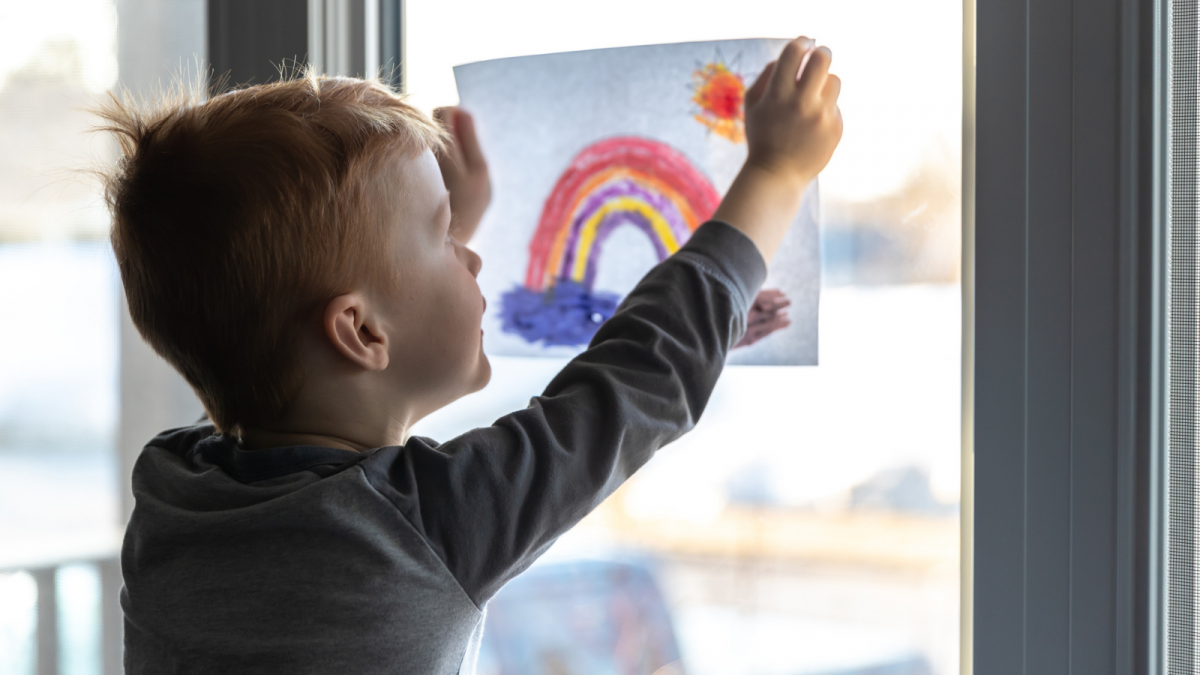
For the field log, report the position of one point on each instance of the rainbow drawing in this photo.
(612, 183)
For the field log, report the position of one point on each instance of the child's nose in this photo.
(474, 262)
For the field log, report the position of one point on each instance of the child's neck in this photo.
(352, 420)
(261, 439)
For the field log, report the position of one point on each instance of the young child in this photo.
(293, 251)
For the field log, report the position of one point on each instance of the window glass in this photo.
(58, 322)
(809, 524)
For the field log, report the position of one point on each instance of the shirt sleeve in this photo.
(490, 501)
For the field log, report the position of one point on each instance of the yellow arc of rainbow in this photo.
(611, 174)
(626, 204)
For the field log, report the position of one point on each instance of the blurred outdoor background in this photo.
(809, 525)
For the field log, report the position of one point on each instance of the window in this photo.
(810, 522)
(832, 547)
(58, 335)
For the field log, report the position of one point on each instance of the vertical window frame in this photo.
(1068, 398)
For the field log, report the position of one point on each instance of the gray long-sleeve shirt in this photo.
(308, 559)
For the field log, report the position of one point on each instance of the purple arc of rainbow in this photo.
(596, 201)
(611, 222)
(623, 180)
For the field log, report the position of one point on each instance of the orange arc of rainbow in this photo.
(615, 173)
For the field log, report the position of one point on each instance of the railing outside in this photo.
(45, 572)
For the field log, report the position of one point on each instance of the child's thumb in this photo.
(755, 92)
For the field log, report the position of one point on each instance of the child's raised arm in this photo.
(465, 172)
(792, 127)
(492, 500)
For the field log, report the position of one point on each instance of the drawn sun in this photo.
(720, 91)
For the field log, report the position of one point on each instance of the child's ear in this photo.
(354, 334)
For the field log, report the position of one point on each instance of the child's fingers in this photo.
(772, 300)
(755, 92)
(445, 117)
(816, 71)
(763, 318)
(759, 332)
(833, 89)
(767, 298)
(779, 323)
(787, 69)
(464, 127)
(752, 335)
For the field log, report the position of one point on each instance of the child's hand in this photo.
(465, 172)
(793, 125)
(766, 316)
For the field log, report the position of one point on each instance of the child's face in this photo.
(436, 310)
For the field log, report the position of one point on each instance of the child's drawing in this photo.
(603, 163)
(614, 182)
(719, 92)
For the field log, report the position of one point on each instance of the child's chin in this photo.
(484, 373)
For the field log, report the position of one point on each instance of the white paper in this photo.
(602, 163)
